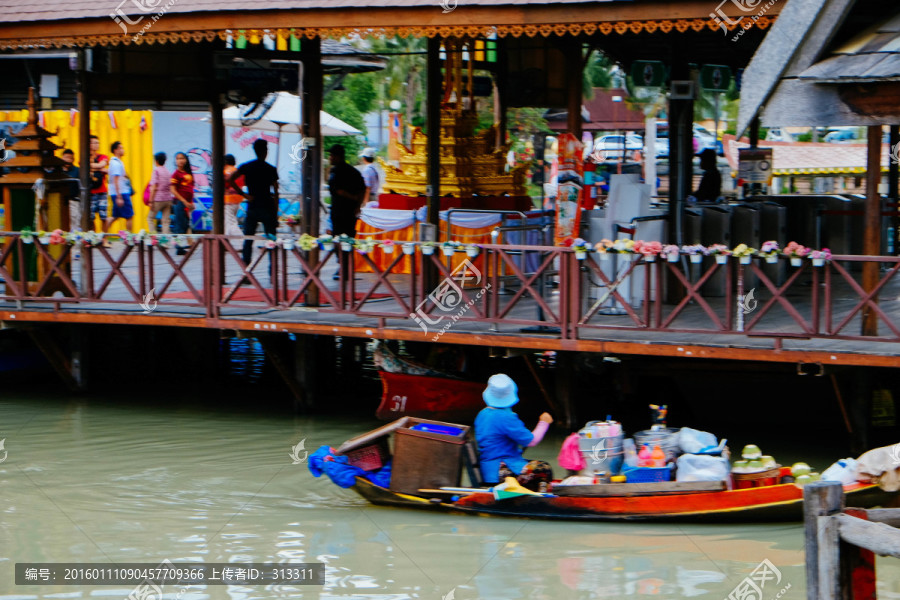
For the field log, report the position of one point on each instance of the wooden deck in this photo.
(814, 316)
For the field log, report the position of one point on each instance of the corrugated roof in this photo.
(12, 11)
(872, 55)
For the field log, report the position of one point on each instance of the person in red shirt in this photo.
(182, 187)
(232, 198)
(99, 165)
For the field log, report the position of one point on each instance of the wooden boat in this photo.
(783, 502)
(427, 397)
(414, 390)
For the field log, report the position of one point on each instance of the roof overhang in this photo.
(479, 18)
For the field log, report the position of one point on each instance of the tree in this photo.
(404, 75)
(341, 105)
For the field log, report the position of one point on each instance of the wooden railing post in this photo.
(821, 500)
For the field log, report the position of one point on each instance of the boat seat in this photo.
(473, 466)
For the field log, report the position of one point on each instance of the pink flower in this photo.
(57, 237)
(650, 248)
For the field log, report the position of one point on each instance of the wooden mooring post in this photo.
(841, 543)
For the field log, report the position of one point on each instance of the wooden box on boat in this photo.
(370, 451)
(425, 459)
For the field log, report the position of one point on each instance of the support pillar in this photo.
(311, 103)
(681, 171)
(218, 166)
(434, 88)
(574, 91)
(894, 186)
(84, 141)
(501, 102)
(872, 224)
(565, 377)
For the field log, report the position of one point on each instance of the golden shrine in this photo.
(470, 164)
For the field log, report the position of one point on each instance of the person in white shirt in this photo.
(370, 176)
(119, 188)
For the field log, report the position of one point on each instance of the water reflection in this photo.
(128, 481)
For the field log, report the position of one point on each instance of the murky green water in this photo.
(131, 481)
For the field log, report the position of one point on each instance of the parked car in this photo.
(841, 136)
(703, 138)
(609, 147)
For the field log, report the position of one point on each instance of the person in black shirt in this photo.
(711, 182)
(348, 190)
(261, 180)
(74, 193)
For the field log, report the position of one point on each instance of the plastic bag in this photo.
(631, 458)
(700, 467)
(692, 441)
(844, 471)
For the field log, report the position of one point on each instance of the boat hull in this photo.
(426, 397)
(764, 504)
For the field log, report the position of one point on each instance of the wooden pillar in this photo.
(501, 103)
(821, 499)
(433, 123)
(307, 363)
(681, 170)
(574, 91)
(872, 224)
(894, 185)
(218, 165)
(565, 389)
(311, 103)
(84, 141)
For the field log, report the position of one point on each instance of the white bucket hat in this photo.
(501, 391)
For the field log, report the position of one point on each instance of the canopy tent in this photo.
(283, 115)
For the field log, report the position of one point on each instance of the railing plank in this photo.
(880, 538)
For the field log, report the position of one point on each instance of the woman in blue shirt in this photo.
(500, 433)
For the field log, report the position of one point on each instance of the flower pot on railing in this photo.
(328, 246)
(796, 261)
(818, 262)
(649, 258)
(448, 251)
(721, 259)
(288, 244)
(603, 256)
(672, 258)
(628, 256)
(745, 260)
(428, 250)
(409, 248)
(388, 248)
(580, 254)
(346, 247)
(772, 259)
(472, 252)
(696, 258)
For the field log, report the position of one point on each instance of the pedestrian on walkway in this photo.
(120, 187)
(232, 198)
(347, 190)
(261, 180)
(370, 176)
(99, 165)
(74, 191)
(160, 194)
(182, 188)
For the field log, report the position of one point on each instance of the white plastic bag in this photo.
(692, 441)
(844, 471)
(700, 467)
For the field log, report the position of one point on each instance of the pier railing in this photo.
(504, 287)
(841, 543)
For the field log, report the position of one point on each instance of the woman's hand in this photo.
(546, 418)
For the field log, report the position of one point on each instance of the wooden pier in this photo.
(542, 298)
